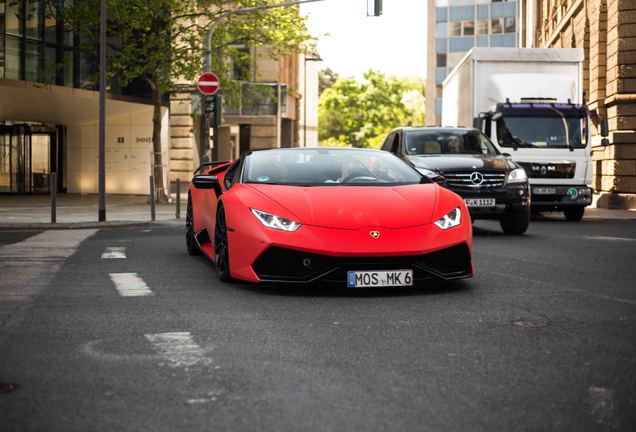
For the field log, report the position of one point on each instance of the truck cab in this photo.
(551, 141)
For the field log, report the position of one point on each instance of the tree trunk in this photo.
(160, 193)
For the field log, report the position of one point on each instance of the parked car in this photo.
(468, 163)
(361, 218)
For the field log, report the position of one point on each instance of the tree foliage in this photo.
(326, 78)
(360, 113)
(162, 41)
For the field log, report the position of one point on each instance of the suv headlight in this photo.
(275, 222)
(427, 172)
(450, 219)
(517, 175)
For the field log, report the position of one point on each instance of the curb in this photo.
(85, 225)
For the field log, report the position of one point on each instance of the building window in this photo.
(440, 44)
(482, 12)
(34, 13)
(504, 9)
(12, 58)
(438, 105)
(441, 14)
(441, 3)
(496, 26)
(13, 19)
(455, 28)
(509, 25)
(440, 74)
(482, 27)
(441, 29)
(507, 40)
(441, 60)
(482, 41)
(468, 28)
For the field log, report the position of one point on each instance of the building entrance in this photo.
(28, 156)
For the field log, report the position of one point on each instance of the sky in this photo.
(350, 43)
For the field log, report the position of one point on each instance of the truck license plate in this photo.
(544, 191)
(379, 278)
(480, 202)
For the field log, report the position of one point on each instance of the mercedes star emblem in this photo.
(477, 178)
(375, 234)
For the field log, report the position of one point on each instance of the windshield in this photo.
(328, 167)
(542, 128)
(431, 142)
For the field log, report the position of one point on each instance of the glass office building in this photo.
(455, 26)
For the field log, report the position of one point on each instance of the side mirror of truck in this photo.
(497, 116)
(604, 126)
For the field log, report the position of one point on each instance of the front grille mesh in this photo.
(281, 264)
(491, 179)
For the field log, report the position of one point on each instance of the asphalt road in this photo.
(542, 338)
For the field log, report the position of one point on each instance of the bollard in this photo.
(53, 187)
(178, 214)
(152, 198)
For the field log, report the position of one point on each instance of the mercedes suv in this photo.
(467, 162)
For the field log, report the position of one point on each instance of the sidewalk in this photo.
(80, 211)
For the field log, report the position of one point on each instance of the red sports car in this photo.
(362, 218)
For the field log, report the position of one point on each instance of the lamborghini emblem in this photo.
(375, 234)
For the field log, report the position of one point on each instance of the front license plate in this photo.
(544, 191)
(480, 202)
(379, 278)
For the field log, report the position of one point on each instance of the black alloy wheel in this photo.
(221, 252)
(574, 214)
(516, 225)
(191, 242)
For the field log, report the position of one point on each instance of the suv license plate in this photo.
(379, 278)
(480, 202)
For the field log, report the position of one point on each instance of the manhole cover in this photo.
(8, 387)
(522, 323)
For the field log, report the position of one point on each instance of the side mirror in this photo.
(497, 116)
(604, 126)
(477, 121)
(207, 182)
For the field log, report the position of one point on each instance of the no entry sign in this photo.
(208, 83)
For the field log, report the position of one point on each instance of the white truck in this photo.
(529, 102)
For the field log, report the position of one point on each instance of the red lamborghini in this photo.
(361, 218)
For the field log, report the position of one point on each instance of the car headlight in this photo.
(275, 222)
(450, 219)
(427, 172)
(517, 175)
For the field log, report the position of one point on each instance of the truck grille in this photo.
(475, 179)
(549, 169)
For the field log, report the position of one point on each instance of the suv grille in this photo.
(475, 179)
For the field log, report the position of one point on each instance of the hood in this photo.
(353, 207)
(442, 163)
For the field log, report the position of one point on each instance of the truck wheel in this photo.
(574, 214)
(516, 225)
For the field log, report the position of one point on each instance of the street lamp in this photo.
(306, 59)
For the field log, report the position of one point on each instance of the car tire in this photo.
(221, 250)
(574, 214)
(191, 243)
(516, 225)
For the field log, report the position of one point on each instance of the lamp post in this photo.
(101, 180)
(305, 60)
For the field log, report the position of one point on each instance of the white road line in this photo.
(130, 285)
(179, 349)
(114, 252)
(609, 238)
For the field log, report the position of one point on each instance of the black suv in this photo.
(468, 163)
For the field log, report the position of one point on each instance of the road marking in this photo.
(130, 285)
(114, 252)
(179, 349)
(609, 238)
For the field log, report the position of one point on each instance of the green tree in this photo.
(361, 113)
(161, 41)
(326, 78)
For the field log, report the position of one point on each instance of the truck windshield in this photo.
(542, 126)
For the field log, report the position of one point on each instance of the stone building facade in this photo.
(606, 30)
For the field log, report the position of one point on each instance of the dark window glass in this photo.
(328, 167)
(32, 70)
(34, 13)
(13, 19)
(468, 28)
(427, 142)
(509, 25)
(12, 58)
(441, 60)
